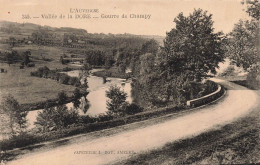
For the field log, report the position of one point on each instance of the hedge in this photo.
(45, 72)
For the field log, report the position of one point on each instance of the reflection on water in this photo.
(96, 97)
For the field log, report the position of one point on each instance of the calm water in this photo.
(96, 96)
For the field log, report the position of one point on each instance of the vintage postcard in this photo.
(89, 82)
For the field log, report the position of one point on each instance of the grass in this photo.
(28, 89)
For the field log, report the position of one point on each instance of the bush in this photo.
(62, 98)
(208, 88)
(117, 98)
(41, 71)
(30, 65)
(63, 78)
(253, 77)
(104, 117)
(86, 124)
(66, 69)
(87, 119)
(133, 109)
(74, 81)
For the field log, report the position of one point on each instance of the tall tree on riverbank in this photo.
(53, 118)
(16, 115)
(117, 98)
(191, 51)
(76, 97)
(243, 44)
(62, 98)
(193, 46)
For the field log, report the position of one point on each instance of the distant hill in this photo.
(28, 28)
(157, 38)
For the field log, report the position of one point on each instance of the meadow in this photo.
(26, 88)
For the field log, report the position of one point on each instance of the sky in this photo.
(162, 13)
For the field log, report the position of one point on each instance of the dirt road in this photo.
(238, 102)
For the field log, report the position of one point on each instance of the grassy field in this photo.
(28, 89)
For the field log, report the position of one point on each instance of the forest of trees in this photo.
(173, 73)
(243, 44)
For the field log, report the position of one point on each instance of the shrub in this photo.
(117, 98)
(66, 69)
(62, 98)
(208, 88)
(63, 78)
(104, 117)
(253, 77)
(73, 81)
(87, 119)
(56, 118)
(40, 72)
(133, 109)
(30, 65)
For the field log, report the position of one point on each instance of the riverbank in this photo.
(96, 139)
(49, 102)
(112, 72)
(96, 125)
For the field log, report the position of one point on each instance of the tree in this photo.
(133, 109)
(9, 57)
(62, 98)
(192, 45)
(242, 44)
(54, 118)
(27, 57)
(147, 64)
(12, 41)
(116, 100)
(16, 115)
(109, 61)
(62, 60)
(76, 96)
(84, 106)
(122, 68)
(253, 8)
(44, 119)
(86, 65)
(191, 51)
(150, 46)
(63, 78)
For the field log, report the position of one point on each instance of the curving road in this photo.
(238, 102)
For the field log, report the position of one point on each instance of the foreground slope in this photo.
(237, 103)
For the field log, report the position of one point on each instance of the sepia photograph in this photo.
(129, 82)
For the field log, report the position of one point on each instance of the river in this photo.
(96, 97)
